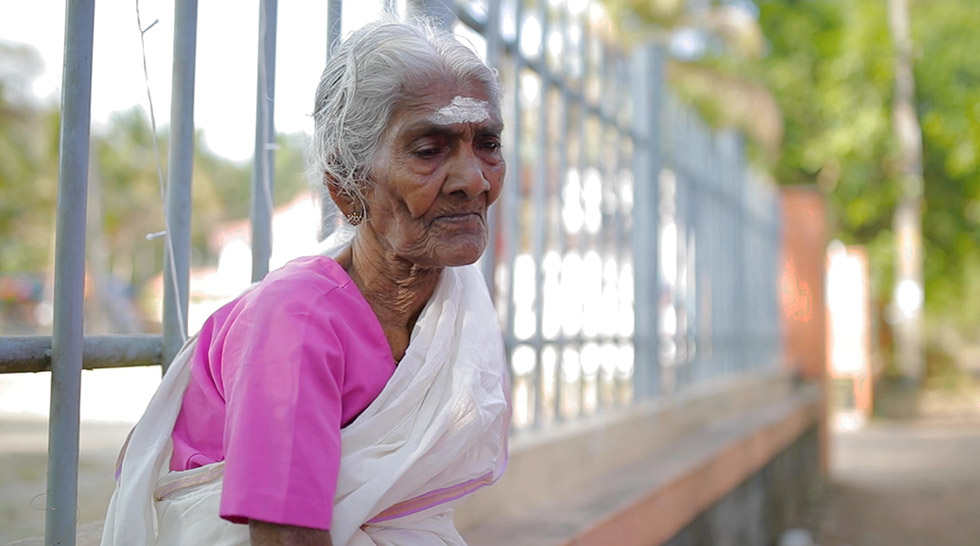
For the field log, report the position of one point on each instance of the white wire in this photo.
(163, 193)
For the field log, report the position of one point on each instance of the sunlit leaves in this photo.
(829, 65)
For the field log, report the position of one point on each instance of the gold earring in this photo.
(355, 217)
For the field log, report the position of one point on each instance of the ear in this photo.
(343, 199)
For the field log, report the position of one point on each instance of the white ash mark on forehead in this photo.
(462, 110)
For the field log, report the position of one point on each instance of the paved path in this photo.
(23, 473)
(904, 483)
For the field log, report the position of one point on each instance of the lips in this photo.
(462, 216)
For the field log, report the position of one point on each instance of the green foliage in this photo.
(830, 69)
(947, 77)
(632, 13)
(829, 66)
(124, 183)
(28, 165)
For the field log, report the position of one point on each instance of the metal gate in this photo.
(632, 254)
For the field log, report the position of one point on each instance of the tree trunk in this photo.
(907, 223)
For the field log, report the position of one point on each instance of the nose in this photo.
(466, 174)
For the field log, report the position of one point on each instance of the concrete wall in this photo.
(763, 506)
(660, 473)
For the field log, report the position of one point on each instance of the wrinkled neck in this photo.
(397, 290)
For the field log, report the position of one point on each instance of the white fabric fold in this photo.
(437, 431)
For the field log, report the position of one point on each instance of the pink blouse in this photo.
(277, 373)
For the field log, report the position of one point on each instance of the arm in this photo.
(271, 534)
(282, 367)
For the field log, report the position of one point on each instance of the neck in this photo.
(397, 290)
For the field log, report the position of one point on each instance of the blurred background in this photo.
(852, 127)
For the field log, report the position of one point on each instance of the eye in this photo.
(427, 153)
(490, 143)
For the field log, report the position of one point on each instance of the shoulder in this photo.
(306, 295)
(297, 317)
(299, 277)
(304, 287)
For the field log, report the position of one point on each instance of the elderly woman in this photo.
(350, 398)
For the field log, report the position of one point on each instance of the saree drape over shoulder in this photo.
(437, 432)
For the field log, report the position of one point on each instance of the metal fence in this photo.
(632, 254)
(636, 254)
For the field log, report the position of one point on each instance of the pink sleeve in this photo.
(282, 363)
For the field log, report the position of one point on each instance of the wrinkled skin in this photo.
(426, 205)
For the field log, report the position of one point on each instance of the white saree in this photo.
(437, 432)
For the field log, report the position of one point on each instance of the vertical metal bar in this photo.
(608, 162)
(610, 210)
(715, 172)
(690, 270)
(681, 369)
(512, 194)
(440, 11)
(740, 301)
(722, 227)
(648, 91)
(176, 269)
(736, 258)
(335, 10)
(691, 195)
(682, 224)
(69, 281)
(681, 163)
(712, 265)
(539, 205)
(607, 166)
(731, 225)
(334, 20)
(583, 239)
(735, 263)
(699, 198)
(694, 180)
(623, 237)
(263, 169)
(719, 168)
(561, 233)
(601, 166)
(488, 262)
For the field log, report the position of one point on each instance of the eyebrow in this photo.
(427, 128)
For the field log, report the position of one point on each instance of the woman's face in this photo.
(438, 167)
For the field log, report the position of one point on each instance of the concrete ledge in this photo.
(651, 500)
(89, 534)
(565, 458)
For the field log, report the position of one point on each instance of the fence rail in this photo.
(23, 354)
(632, 253)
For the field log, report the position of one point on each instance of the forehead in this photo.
(433, 100)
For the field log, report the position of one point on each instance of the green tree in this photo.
(947, 79)
(125, 200)
(28, 165)
(829, 66)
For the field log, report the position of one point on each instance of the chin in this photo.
(461, 254)
(462, 259)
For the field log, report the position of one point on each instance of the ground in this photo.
(907, 478)
(23, 472)
(909, 482)
(910, 476)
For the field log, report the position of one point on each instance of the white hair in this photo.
(367, 77)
